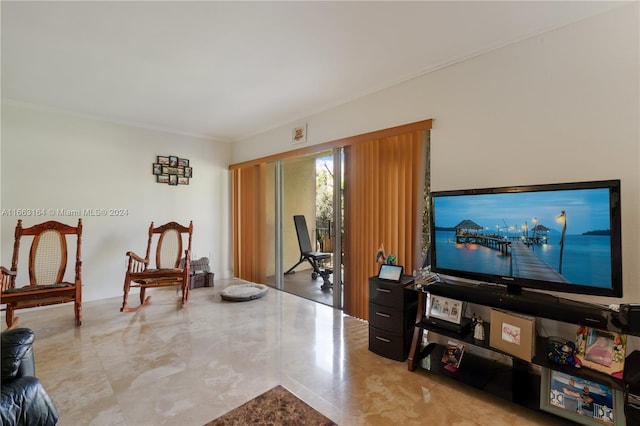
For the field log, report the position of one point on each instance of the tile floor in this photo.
(171, 366)
(301, 284)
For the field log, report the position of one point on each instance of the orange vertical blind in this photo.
(249, 222)
(381, 203)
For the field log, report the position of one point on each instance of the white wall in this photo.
(561, 106)
(52, 160)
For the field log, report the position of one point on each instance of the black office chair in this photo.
(315, 258)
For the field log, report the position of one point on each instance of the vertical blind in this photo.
(382, 197)
(249, 222)
(381, 208)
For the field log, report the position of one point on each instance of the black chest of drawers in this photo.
(392, 316)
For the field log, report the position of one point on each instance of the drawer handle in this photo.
(383, 290)
(381, 314)
(383, 339)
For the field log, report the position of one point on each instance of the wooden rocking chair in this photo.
(169, 270)
(47, 266)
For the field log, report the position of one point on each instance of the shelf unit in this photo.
(504, 375)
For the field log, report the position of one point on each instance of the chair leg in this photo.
(77, 308)
(291, 270)
(314, 265)
(143, 291)
(185, 292)
(143, 301)
(127, 286)
(11, 321)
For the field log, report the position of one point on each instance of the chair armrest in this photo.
(25, 401)
(8, 278)
(17, 353)
(136, 263)
(5, 271)
(137, 258)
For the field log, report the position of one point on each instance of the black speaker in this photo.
(528, 302)
(630, 316)
(631, 379)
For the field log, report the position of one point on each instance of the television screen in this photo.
(560, 237)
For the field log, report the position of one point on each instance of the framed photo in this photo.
(581, 400)
(446, 309)
(172, 170)
(299, 134)
(168, 170)
(513, 333)
(601, 350)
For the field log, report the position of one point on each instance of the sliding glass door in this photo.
(383, 201)
(305, 187)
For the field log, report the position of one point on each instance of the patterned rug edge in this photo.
(277, 406)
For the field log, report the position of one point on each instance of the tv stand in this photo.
(504, 375)
(514, 289)
(527, 302)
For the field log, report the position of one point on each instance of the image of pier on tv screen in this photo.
(558, 236)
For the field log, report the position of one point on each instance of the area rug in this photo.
(276, 406)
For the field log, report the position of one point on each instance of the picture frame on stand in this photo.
(580, 400)
(601, 350)
(449, 310)
(513, 333)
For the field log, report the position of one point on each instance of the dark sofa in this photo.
(24, 400)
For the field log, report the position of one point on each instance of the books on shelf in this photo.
(452, 355)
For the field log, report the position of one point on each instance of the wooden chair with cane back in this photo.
(171, 269)
(47, 266)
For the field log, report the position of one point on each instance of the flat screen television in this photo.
(563, 237)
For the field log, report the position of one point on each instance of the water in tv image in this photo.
(561, 236)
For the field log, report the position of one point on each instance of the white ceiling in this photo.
(228, 70)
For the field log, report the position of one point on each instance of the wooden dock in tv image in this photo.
(525, 263)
